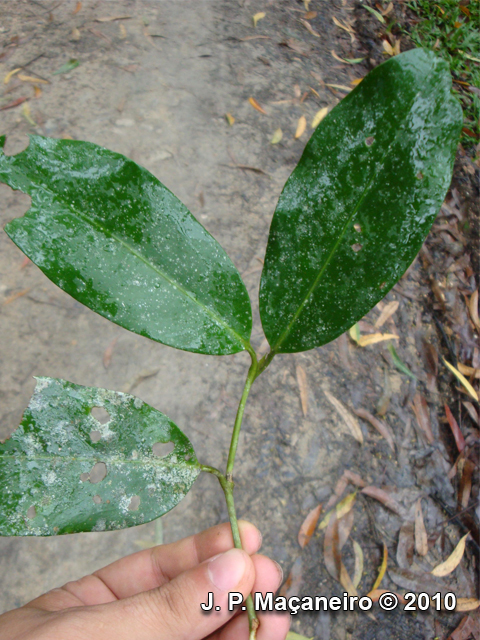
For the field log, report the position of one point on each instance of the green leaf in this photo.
(52, 468)
(377, 14)
(355, 211)
(111, 235)
(291, 635)
(399, 364)
(68, 66)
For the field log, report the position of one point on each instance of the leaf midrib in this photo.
(334, 249)
(93, 222)
(99, 458)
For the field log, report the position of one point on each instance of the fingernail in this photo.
(226, 570)
(280, 571)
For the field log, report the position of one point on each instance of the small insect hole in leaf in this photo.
(98, 472)
(84, 477)
(31, 512)
(100, 415)
(95, 436)
(357, 228)
(369, 141)
(134, 503)
(419, 175)
(356, 247)
(97, 499)
(162, 449)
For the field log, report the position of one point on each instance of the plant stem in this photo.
(226, 481)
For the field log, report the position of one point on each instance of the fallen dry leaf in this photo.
(383, 497)
(112, 18)
(77, 8)
(75, 35)
(348, 418)
(379, 425)
(467, 627)
(277, 136)
(24, 78)
(468, 371)
(473, 308)
(346, 28)
(389, 8)
(359, 560)
(10, 75)
(291, 586)
(421, 538)
(457, 434)
(388, 47)
(258, 16)
(123, 31)
(27, 114)
(308, 526)
(383, 568)
(230, 119)
(386, 313)
(354, 333)
(472, 412)
(467, 604)
(309, 28)
(460, 377)
(341, 510)
(356, 81)
(466, 484)
(302, 385)
(310, 15)
(396, 47)
(406, 545)
(422, 414)
(256, 106)
(346, 60)
(373, 338)
(107, 354)
(318, 117)
(452, 562)
(37, 91)
(301, 126)
(341, 87)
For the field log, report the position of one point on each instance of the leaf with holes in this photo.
(64, 471)
(355, 211)
(111, 235)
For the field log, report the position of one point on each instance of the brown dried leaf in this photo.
(301, 126)
(473, 308)
(383, 497)
(349, 420)
(123, 31)
(466, 484)
(467, 604)
(379, 425)
(37, 91)
(421, 538)
(373, 338)
(354, 478)
(77, 8)
(296, 46)
(472, 412)
(452, 562)
(107, 354)
(465, 629)
(291, 586)
(359, 560)
(389, 8)
(468, 371)
(418, 582)
(388, 47)
(309, 28)
(302, 385)
(112, 18)
(383, 568)
(308, 526)
(420, 409)
(405, 545)
(331, 551)
(24, 78)
(310, 15)
(256, 106)
(388, 311)
(341, 510)
(457, 434)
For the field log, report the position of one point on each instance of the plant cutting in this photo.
(349, 222)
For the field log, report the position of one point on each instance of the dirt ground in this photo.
(156, 86)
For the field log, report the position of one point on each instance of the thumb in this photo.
(173, 612)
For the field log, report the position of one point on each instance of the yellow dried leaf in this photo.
(301, 126)
(258, 16)
(467, 604)
(350, 421)
(346, 60)
(345, 27)
(354, 333)
(373, 338)
(462, 379)
(302, 385)
(388, 48)
(31, 79)
(386, 313)
(256, 106)
(346, 581)
(309, 28)
(318, 117)
(468, 371)
(356, 82)
(383, 568)
(37, 91)
(27, 114)
(341, 87)
(358, 571)
(452, 561)
(342, 508)
(10, 75)
(75, 34)
(230, 119)
(77, 8)
(277, 136)
(396, 47)
(123, 31)
(389, 8)
(306, 4)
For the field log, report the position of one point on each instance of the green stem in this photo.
(226, 481)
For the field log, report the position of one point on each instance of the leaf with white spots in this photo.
(89, 459)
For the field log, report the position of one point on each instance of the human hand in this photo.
(156, 594)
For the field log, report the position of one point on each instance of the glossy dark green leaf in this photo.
(64, 471)
(112, 236)
(355, 211)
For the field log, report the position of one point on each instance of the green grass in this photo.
(454, 34)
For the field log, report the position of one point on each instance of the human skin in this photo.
(156, 594)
